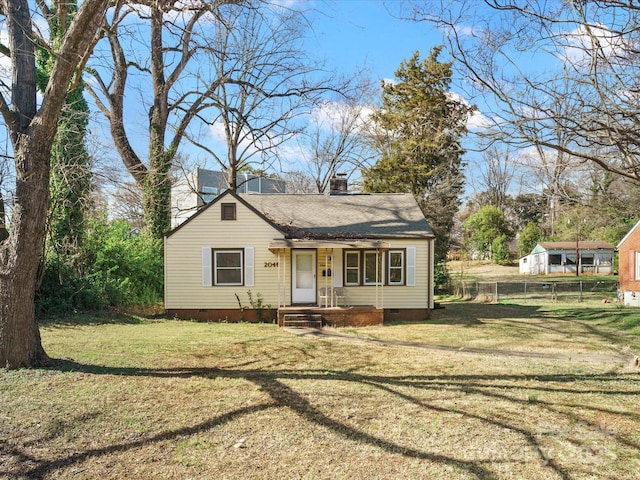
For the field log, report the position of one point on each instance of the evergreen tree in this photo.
(421, 124)
(531, 234)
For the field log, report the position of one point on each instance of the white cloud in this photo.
(332, 116)
(292, 153)
(477, 120)
(582, 42)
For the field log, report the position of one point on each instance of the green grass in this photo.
(480, 391)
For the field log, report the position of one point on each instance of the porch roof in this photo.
(571, 246)
(333, 243)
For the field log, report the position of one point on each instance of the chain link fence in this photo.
(557, 291)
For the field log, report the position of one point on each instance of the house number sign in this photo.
(270, 264)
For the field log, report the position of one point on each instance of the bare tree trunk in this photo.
(19, 259)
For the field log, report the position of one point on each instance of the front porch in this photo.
(314, 316)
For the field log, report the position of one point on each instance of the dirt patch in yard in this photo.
(484, 270)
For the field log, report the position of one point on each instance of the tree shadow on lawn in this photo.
(472, 313)
(623, 318)
(277, 384)
(606, 323)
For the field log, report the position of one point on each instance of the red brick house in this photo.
(629, 266)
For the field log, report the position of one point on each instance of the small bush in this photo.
(442, 279)
(500, 251)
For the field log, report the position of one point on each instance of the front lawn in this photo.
(480, 391)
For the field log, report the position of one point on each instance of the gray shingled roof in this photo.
(582, 245)
(343, 216)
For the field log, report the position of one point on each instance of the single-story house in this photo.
(344, 259)
(560, 257)
(629, 267)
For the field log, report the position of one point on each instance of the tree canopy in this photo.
(222, 70)
(582, 106)
(484, 227)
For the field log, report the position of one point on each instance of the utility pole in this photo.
(578, 250)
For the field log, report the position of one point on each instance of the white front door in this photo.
(304, 277)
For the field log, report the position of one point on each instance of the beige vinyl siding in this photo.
(183, 260)
(400, 296)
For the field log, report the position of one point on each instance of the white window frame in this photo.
(637, 265)
(348, 268)
(378, 260)
(216, 268)
(391, 267)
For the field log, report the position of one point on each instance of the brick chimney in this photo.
(338, 184)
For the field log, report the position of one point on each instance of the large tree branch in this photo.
(77, 41)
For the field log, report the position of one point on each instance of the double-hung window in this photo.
(372, 267)
(365, 267)
(395, 275)
(352, 267)
(227, 267)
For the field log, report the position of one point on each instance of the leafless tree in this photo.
(338, 138)
(559, 75)
(272, 84)
(228, 66)
(496, 175)
(32, 128)
(300, 182)
(127, 203)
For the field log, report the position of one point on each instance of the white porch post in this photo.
(328, 290)
(377, 280)
(379, 283)
(382, 283)
(278, 261)
(330, 269)
(279, 282)
(283, 280)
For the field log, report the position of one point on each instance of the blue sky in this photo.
(356, 34)
(350, 36)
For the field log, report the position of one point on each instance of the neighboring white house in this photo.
(560, 257)
(201, 186)
(349, 259)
